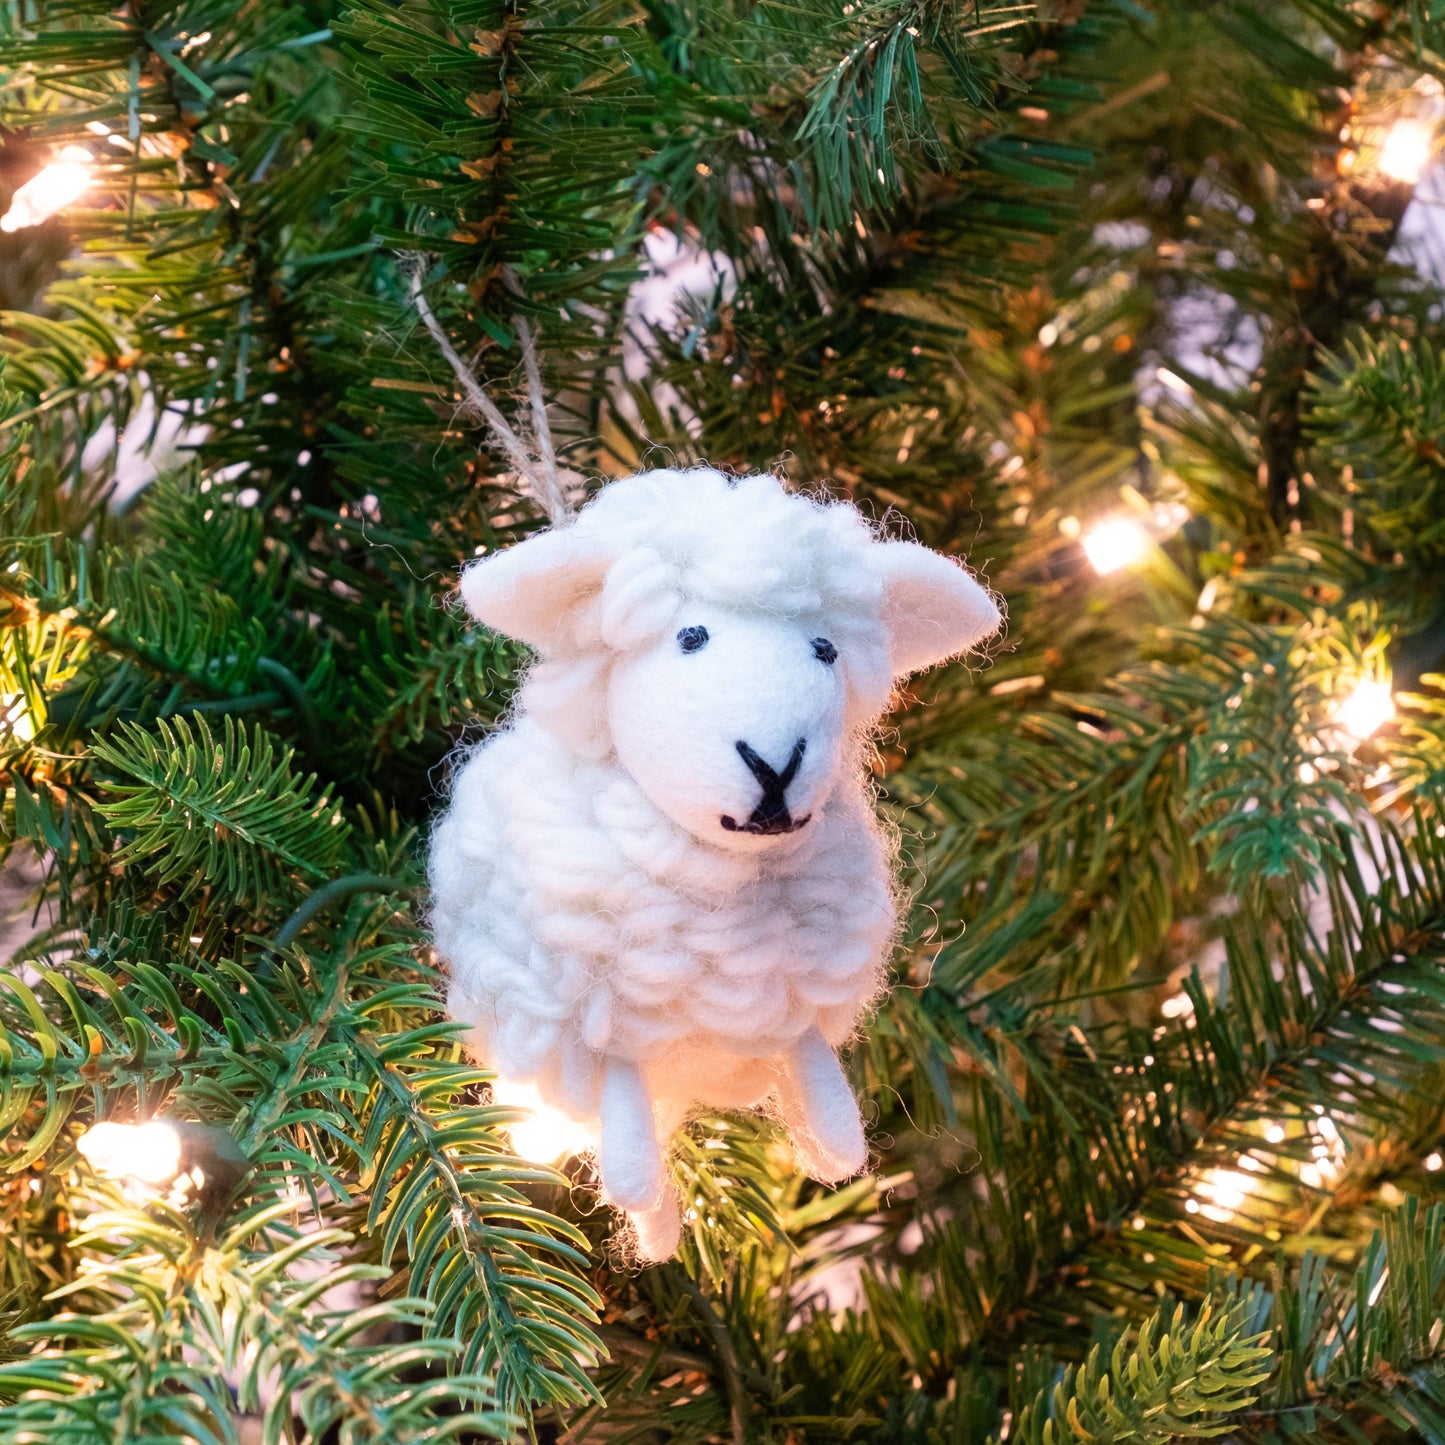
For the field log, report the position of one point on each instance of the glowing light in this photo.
(1169, 517)
(1178, 1007)
(1115, 544)
(1274, 1133)
(1224, 1192)
(150, 1153)
(1366, 709)
(56, 186)
(1434, 1161)
(16, 716)
(1406, 151)
(1323, 1171)
(548, 1134)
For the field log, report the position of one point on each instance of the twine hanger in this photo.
(538, 474)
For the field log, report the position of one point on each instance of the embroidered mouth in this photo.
(766, 827)
(771, 817)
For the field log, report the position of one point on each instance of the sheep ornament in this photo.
(663, 882)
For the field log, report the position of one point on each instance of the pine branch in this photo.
(206, 809)
(1318, 1349)
(1177, 1381)
(146, 1363)
(1120, 808)
(1143, 1119)
(1377, 409)
(869, 111)
(426, 672)
(482, 1248)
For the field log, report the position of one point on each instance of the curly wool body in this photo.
(664, 882)
(590, 925)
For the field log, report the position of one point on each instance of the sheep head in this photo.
(727, 641)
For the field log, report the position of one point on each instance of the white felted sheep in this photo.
(663, 882)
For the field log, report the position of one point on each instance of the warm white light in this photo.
(1406, 150)
(57, 185)
(1434, 1161)
(1116, 544)
(150, 1153)
(1228, 1188)
(1225, 1191)
(15, 715)
(1178, 1007)
(1274, 1133)
(1321, 1173)
(1366, 709)
(548, 1134)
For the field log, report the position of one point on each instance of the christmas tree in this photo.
(1135, 304)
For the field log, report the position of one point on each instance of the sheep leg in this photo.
(658, 1228)
(820, 1111)
(628, 1157)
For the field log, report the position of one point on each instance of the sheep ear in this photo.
(933, 607)
(531, 590)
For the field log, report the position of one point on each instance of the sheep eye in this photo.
(692, 639)
(824, 651)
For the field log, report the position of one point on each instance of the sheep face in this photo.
(734, 725)
(727, 642)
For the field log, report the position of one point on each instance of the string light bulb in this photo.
(196, 1161)
(57, 185)
(1178, 1007)
(149, 1153)
(1364, 710)
(1117, 543)
(1225, 1191)
(546, 1135)
(1406, 150)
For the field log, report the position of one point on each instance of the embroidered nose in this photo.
(771, 815)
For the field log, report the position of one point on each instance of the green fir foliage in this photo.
(1155, 1096)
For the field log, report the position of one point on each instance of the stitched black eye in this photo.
(692, 639)
(824, 651)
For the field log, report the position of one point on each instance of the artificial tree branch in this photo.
(723, 1349)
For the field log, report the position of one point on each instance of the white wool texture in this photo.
(635, 917)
